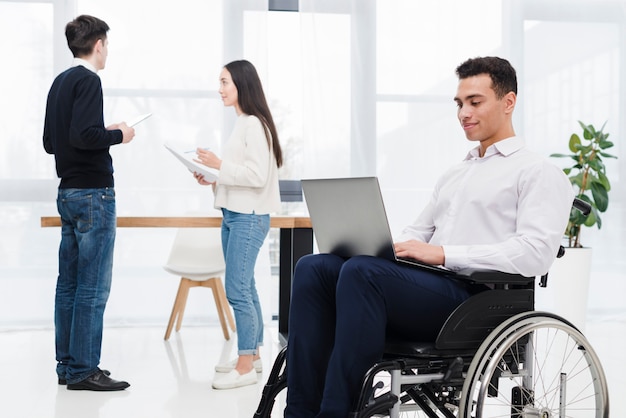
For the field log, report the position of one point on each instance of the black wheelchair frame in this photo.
(489, 360)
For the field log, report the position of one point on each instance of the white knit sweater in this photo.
(248, 177)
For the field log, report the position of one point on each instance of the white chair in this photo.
(197, 257)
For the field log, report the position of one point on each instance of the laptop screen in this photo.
(348, 216)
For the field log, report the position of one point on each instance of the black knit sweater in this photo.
(74, 130)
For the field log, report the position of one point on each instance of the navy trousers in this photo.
(340, 315)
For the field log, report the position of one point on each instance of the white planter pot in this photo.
(568, 287)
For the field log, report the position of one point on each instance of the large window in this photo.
(357, 87)
(304, 59)
(418, 46)
(26, 33)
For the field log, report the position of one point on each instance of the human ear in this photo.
(99, 45)
(509, 101)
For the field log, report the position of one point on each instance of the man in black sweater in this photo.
(74, 132)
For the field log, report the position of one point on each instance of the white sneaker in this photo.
(227, 367)
(235, 380)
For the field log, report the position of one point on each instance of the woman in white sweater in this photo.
(247, 192)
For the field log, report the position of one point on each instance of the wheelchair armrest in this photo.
(492, 277)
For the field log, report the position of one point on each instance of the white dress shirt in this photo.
(248, 177)
(506, 211)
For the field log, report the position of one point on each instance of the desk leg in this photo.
(294, 243)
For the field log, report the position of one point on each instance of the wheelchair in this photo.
(494, 357)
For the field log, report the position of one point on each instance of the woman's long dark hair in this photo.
(252, 101)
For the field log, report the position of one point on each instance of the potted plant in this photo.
(588, 176)
(570, 274)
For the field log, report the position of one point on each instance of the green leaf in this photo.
(574, 142)
(591, 219)
(577, 180)
(600, 196)
(577, 219)
(585, 149)
(588, 130)
(605, 144)
(602, 178)
(591, 178)
(596, 165)
(607, 155)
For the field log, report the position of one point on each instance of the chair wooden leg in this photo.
(186, 285)
(178, 308)
(221, 304)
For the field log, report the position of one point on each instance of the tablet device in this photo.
(138, 119)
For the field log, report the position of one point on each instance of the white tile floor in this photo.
(168, 379)
(173, 379)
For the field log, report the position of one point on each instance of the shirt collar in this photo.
(84, 63)
(505, 147)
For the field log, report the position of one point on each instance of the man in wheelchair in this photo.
(502, 208)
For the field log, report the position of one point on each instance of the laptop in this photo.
(348, 218)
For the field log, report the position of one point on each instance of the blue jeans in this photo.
(242, 238)
(85, 270)
(341, 313)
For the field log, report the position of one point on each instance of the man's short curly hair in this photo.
(502, 73)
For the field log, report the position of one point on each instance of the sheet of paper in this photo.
(138, 119)
(186, 156)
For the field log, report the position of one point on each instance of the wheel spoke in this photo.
(535, 366)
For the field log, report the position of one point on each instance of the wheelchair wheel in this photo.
(535, 364)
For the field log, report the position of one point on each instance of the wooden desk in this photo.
(296, 240)
(289, 222)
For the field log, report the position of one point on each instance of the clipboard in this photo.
(186, 157)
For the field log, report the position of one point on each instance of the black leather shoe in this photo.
(64, 381)
(99, 382)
